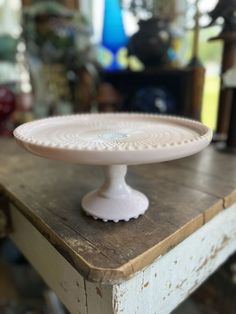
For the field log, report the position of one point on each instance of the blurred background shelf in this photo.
(178, 82)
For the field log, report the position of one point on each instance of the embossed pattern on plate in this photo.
(112, 132)
(114, 140)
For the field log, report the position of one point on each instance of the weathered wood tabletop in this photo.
(184, 195)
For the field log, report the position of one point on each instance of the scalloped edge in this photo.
(29, 140)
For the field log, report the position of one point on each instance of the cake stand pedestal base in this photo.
(115, 200)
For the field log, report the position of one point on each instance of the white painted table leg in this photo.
(158, 289)
(169, 280)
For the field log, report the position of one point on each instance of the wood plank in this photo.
(49, 194)
(217, 164)
(193, 178)
(220, 165)
(190, 178)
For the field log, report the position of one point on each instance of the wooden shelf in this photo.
(184, 84)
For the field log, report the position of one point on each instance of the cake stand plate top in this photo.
(113, 138)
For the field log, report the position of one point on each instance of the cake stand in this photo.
(114, 140)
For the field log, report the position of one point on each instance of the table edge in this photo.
(128, 269)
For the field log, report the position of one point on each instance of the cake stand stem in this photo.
(115, 200)
(114, 185)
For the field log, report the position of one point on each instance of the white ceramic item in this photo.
(114, 140)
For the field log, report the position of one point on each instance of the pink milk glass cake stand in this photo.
(114, 140)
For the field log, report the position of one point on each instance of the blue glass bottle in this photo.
(113, 35)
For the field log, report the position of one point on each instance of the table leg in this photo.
(158, 288)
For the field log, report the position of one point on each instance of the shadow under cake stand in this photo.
(114, 141)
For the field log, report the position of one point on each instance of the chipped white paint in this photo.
(66, 282)
(78, 295)
(170, 279)
(157, 289)
(99, 298)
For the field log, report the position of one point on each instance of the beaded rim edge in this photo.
(29, 140)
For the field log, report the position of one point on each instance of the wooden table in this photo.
(145, 266)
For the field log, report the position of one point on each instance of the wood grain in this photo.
(219, 166)
(183, 196)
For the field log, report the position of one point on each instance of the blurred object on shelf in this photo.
(159, 41)
(161, 86)
(114, 38)
(195, 61)
(58, 45)
(225, 95)
(24, 87)
(88, 82)
(152, 99)
(228, 143)
(140, 91)
(198, 69)
(15, 86)
(225, 9)
(108, 98)
(152, 42)
(10, 13)
(197, 86)
(70, 4)
(7, 107)
(8, 46)
(155, 54)
(142, 9)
